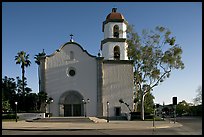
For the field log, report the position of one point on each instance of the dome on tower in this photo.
(114, 15)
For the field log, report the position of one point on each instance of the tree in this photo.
(8, 87)
(37, 61)
(31, 102)
(42, 97)
(12, 91)
(148, 103)
(5, 104)
(198, 99)
(182, 108)
(155, 54)
(20, 84)
(23, 59)
(9, 92)
(22, 96)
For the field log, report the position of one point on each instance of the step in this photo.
(62, 119)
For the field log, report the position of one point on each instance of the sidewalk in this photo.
(98, 124)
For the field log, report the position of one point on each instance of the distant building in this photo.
(82, 84)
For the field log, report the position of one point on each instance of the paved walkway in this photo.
(97, 124)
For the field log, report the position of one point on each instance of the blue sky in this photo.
(33, 27)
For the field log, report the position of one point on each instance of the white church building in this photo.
(86, 85)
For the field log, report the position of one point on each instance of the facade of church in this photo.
(85, 85)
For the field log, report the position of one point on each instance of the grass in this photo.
(10, 120)
(156, 119)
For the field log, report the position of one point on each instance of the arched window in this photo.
(116, 31)
(71, 55)
(117, 53)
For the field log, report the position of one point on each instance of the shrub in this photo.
(9, 116)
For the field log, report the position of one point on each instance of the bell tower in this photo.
(114, 45)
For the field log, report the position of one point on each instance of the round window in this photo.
(72, 72)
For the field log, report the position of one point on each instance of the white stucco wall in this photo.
(117, 84)
(58, 81)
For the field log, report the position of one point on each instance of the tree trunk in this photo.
(23, 82)
(135, 103)
(142, 107)
(135, 107)
(23, 86)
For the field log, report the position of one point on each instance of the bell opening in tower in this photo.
(116, 53)
(116, 31)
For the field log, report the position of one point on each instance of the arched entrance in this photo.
(72, 104)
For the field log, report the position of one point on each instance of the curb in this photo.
(40, 129)
(101, 124)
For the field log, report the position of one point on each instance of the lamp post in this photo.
(174, 105)
(16, 110)
(85, 102)
(46, 102)
(107, 111)
(50, 100)
(154, 113)
(174, 114)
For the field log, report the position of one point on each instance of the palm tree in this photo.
(37, 61)
(42, 95)
(23, 59)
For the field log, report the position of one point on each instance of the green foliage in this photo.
(27, 102)
(23, 59)
(5, 105)
(182, 108)
(19, 86)
(9, 116)
(8, 92)
(148, 103)
(196, 110)
(42, 97)
(155, 54)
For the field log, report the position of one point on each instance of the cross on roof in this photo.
(71, 35)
